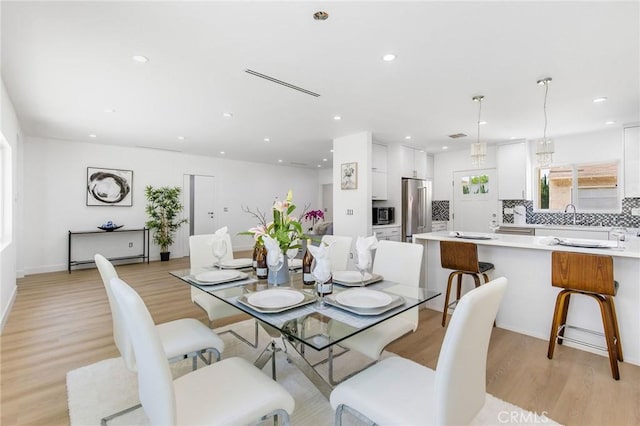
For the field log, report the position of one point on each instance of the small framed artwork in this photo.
(349, 176)
(109, 187)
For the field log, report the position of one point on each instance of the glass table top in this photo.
(290, 309)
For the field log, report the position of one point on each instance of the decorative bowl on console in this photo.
(109, 226)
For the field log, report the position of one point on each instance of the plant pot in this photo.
(164, 255)
(280, 277)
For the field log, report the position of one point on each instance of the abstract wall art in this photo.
(109, 187)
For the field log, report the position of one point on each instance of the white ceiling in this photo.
(64, 63)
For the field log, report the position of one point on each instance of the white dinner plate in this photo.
(215, 277)
(243, 262)
(363, 298)
(275, 298)
(350, 276)
(586, 243)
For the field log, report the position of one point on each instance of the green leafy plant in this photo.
(163, 209)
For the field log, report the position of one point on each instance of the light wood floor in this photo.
(61, 321)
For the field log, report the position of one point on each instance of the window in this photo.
(590, 187)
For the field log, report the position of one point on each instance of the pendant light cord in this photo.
(479, 116)
(544, 109)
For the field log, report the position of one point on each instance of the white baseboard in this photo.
(5, 314)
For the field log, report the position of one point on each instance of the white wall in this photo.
(55, 194)
(10, 128)
(347, 149)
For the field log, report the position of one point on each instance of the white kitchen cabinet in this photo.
(378, 185)
(379, 172)
(379, 158)
(512, 162)
(414, 163)
(391, 233)
(632, 161)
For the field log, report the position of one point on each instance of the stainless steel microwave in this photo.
(383, 215)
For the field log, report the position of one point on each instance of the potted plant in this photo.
(163, 209)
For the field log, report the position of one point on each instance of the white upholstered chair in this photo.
(401, 263)
(399, 391)
(200, 256)
(232, 391)
(181, 338)
(340, 249)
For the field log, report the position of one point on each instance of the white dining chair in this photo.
(228, 392)
(181, 338)
(399, 391)
(200, 256)
(340, 250)
(398, 262)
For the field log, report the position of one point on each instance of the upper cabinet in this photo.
(414, 163)
(379, 172)
(632, 161)
(512, 164)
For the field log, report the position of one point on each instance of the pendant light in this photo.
(544, 146)
(478, 149)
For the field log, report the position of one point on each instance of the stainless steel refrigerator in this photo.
(416, 207)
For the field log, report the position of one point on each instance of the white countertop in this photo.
(569, 227)
(631, 249)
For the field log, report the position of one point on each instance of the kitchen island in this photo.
(528, 305)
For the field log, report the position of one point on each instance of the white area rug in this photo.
(103, 388)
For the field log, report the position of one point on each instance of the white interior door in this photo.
(475, 200)
(327, 201)
(203, 207)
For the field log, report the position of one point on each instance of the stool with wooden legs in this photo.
(590, 275)
(463, 259)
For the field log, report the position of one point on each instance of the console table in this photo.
(143, 256)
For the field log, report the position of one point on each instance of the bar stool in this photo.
(463, 258)
(590, 275)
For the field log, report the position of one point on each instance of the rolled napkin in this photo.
(364, 245)
(548, 241)
(322, 256)
(274, 254)
(455, 234)
(221, 232)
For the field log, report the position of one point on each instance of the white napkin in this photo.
(548, 241)
(221, 232)
(455, 234)
(274, 254)
(322, 256)
(364, 245)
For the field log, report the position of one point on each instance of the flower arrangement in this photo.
(285, 228)
(313, 216)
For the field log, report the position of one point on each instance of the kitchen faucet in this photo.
(566, 209)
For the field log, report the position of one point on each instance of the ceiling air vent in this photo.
(280, 82)
(293, 163)
(457, 135)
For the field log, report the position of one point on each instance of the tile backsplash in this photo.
(587, 219)
(440, 210)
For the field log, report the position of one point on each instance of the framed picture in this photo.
(109, 187)
(349, 176)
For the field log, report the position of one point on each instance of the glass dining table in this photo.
(290, 311)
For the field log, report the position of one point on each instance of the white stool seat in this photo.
(393, 382)
(187, 335)
(229, 392)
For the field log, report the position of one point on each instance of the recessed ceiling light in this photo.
(221, 152)
(227, 114)
(324, 159)
(600, 99)
(180, 138)
(407, 137)
(422, 150)
(337, 117)
(140, 58)
(445, 147)
(267, 140)
(389, 57)
(513, 137)
(93, 135)
(482, 123)
(109, 110)
(319, 165)
(331, 150)
(610, 122)
(279, 161)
